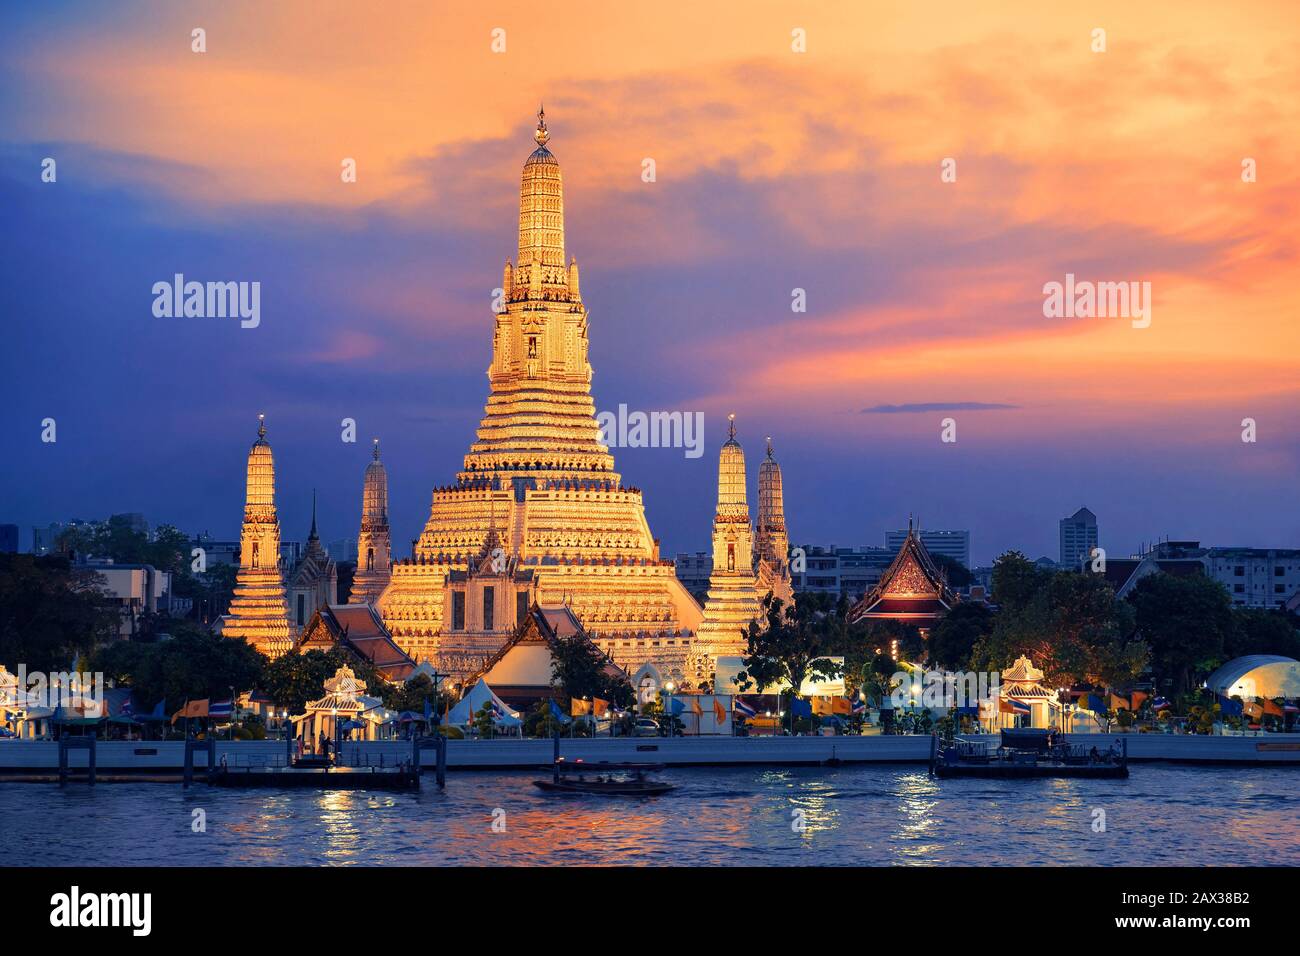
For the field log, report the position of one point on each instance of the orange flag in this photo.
(841, 705)
(599, 707)
(1270, 707)
(695, 707)
(192, 708)
(579, 707)
(719, 713)
(821, 706)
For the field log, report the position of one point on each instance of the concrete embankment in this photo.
(160, 760)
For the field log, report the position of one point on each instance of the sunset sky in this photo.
(776, 170)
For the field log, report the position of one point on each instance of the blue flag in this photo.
(800, 707)
(557, 713)
(428, 708)
(676, 707)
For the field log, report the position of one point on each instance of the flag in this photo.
(841, 705)
(821, 706)
(222, 708)
(859, 705)
(579, 707)
(1271, 708)
(1160, 703)
(192, 708)
(695, 707)
(1118, 703)
(745, 710)
(128, 707)
(719, 713)
(1138, 697)
(599, 708)
(800, 707)
(1009, 706)
(675, 707)
(157, 713)
(557, 713)
(1229, 707)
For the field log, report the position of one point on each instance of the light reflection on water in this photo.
(852, 815)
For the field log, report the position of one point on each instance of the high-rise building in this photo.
(538, 514)
(835, 570)
(374, 550)
(8, 538)
(950, 544)
(1078, 538)
(733, 599)
(258, 613)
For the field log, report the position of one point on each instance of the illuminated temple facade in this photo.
(258, 612)
(538, 513)
(374, 547)
(734, 599)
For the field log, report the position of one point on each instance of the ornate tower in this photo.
(538, 513)
(733, 599)
(374, 554)
(770, 538)
(258, 613)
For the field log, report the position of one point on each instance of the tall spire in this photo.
(258, 612)
(374, 550)
(541, 221)
(771, 540)
(313, 535)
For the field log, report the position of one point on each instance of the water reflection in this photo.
(850, 815)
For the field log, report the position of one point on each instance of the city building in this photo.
(1253, 577)
(912, 590)
(258, 613)
(835, 571)
(374, 549)
(135, 589)
(538, 515)
(8, 539)
(1078, 538)
(950, 544)
(693, 570)
(215, 552)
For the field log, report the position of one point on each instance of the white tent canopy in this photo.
(474, 701)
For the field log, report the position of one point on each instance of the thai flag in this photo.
(1159, 703)
(221, 708)
(743, 708)
(859, 705)
(128, 707)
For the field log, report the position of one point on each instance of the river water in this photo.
(816, 816)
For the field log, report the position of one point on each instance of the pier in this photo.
(165, 760)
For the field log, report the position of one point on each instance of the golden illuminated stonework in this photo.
(733, 599)
(538, 514)
(258, 613)
(771, 542)
(374, 554)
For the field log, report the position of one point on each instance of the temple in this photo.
(258, 613)
(912, 590)
(374, 549)
(734, 595)
(314, 580)
(538, 514)
(771, 542)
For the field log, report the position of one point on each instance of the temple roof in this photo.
(912, 584)
(359, 627)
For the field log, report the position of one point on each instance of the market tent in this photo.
(479, 696)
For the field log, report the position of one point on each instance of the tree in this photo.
(294, 679)
(954, 638)
(192, 665)
(1069, 624)
(50, 612)
(410, 695)
(797, 642)
(1016, 581)
(1259, 631)
(579, 669)
(1187, 621)
(956, 573)
(881, 636)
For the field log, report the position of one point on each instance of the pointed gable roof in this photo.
(912, 585)
(524, 662)
(359, 627)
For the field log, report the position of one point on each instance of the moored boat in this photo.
(1028, 753)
